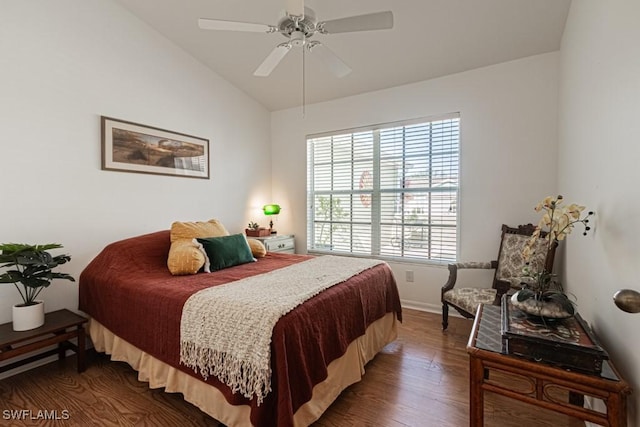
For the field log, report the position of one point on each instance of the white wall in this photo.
(508, 151)
(66, 63)
(63, 64)
(599, 153)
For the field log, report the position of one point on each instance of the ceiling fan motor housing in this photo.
(298, 29)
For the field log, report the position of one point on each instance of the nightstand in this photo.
(59, 327)
(284, 243)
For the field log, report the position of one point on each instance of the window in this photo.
(386, 191)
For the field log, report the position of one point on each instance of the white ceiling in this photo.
(430, 38)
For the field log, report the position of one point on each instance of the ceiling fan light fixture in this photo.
(297, 38)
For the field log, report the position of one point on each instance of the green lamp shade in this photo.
(271, 209)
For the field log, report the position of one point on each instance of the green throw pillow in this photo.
(226, 251)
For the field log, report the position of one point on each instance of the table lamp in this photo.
(271, 210)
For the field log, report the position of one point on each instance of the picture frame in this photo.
(133, 147)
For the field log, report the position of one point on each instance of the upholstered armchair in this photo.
(508, 272)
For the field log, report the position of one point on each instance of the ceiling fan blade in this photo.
(371, 21)
(331, 60)
(295, 7)
(271, 61)
(217, 24)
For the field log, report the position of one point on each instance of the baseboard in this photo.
(426, 307)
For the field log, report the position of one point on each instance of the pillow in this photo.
(191, 230)
(184, 258)
(257, 248)
(226, 251)
(187, 257)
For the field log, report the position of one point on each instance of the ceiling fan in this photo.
(299, 25)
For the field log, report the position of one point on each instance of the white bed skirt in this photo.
(342, 372)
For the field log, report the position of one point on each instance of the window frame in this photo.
(376, 204)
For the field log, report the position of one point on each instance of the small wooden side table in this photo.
(59, 327)
(486, 355)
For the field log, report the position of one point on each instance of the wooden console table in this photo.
(59, 327)
(545, 385)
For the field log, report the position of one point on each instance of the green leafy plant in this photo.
(31, 266)
(253, 226)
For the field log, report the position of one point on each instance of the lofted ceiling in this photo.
(430, 38)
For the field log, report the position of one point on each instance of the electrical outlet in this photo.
(409, 275)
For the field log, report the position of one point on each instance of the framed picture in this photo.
(132, 147)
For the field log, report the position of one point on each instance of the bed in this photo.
(316, 350)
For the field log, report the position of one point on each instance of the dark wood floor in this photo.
(421, 379)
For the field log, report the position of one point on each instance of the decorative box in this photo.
(567, 343)
(260, 232)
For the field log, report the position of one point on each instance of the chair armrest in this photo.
(453, 271)
(472, 264)
(515, 284)
(502, 287)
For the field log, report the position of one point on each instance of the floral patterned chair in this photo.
(508, 272)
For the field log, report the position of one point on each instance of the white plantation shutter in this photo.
(389, 191)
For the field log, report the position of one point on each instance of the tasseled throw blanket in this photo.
(226, 330)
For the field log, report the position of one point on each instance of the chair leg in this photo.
(445, 316)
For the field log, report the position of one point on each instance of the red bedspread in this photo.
(129, 290)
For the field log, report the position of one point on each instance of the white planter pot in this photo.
(28, 317)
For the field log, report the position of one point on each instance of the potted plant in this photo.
(30, 269)
(541, 295)
(254, 230)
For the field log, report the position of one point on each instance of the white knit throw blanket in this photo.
(226, 330)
